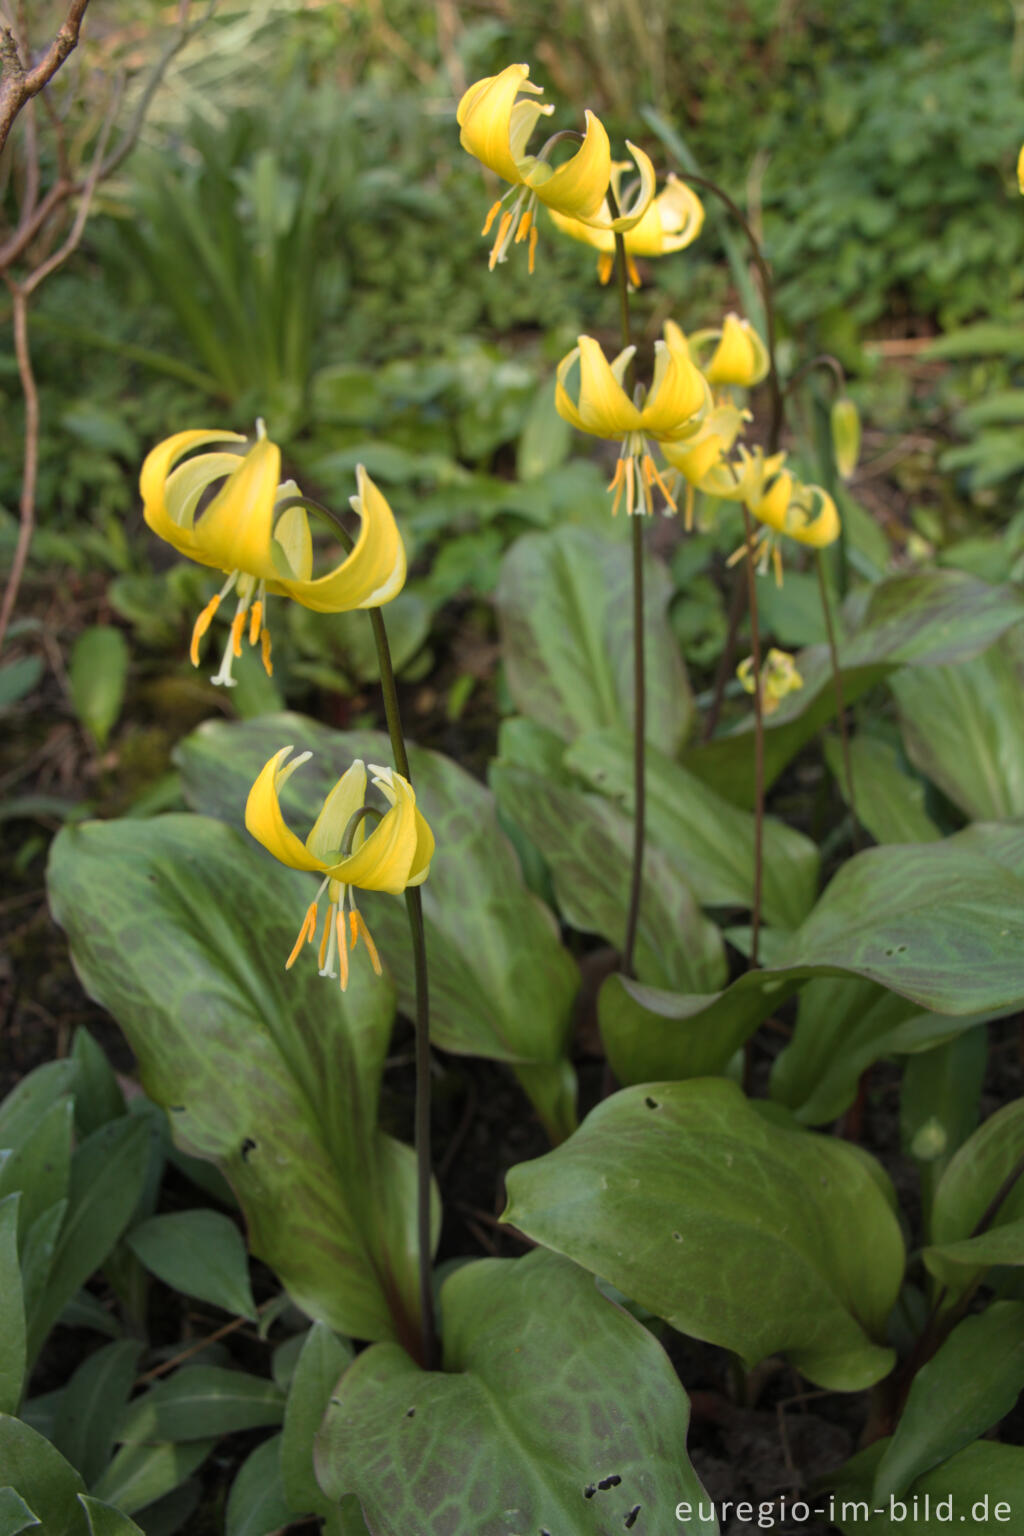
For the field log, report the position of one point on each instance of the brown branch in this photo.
(88, 190)
(30, 463)
(19, 84)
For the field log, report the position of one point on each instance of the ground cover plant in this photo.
(516, 908)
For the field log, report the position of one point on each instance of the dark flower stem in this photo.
(414, 909)
(755, 646)
(639, 666)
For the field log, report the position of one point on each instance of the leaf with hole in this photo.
(556, 1411)
(685, 1198)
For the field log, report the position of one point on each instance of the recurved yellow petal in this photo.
(679, 394)
(385, 859)
(153, 485)
(578, 187)
(375, 570)
(640, 201)
(604, 407)
(236, 529)
(741, 357)
(485, 117)
(264, 819)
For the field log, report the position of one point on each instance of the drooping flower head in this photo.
(740, 356)
(496, 127)
(673, 221)
(698, 458)
(395, 855)
(589, 394)
(779, 677)
(247, 530)
(783, 505)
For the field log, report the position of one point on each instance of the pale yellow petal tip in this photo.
(1020, 170)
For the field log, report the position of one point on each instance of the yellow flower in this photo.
(671, 410)
(740, 357)
(495, 129)
(395, 855)
(673, 221)
(261, 548)
(1020, 170)
(783, 504)
(845, 424)
(698, 458)
(779, 677)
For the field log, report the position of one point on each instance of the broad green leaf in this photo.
(199, 1401)
(20, 1112)
(98, 1096)
(257, 1504)
(939, 924)
(709, 839)
(12, 1310)
(564, 599)
(140, 1474)
(15, 1515)
(91, 1405)
(556, 1411)
(105, 1520)
(976, 1492)
(889, 800)
(843, 1026)
(37, 1253)
(501, 983)
(324, 1357)
(107, 1171)
(986, 1168)
(962, 726)
(48, 1485)
(685, 1198)
(927, 619)
(181, 926)
(953, 1264)
(587, 843)
(200, 1253)
(40, 1165)
(970, 1384)
(97, 674)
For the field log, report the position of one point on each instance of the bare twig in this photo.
(61, 255)
(30, 465)
(19, 84)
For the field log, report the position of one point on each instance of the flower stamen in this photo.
(307, 932)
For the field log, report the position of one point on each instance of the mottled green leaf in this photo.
(200, 1253)
(710, 840)
(48, 1485)
(736, 1229)
(939, 924)
(587, 843)
(889, 799)
(180, 926)
(90, 1407)
(12, 1310)
(974, 1493)
(926, 619)
(564, 599)
(257, 1503)
(556, 1411)
(199, 1401)
(501, 983)
(963, 726)
(969, 1384)
(97, 673)
(324, 1357)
